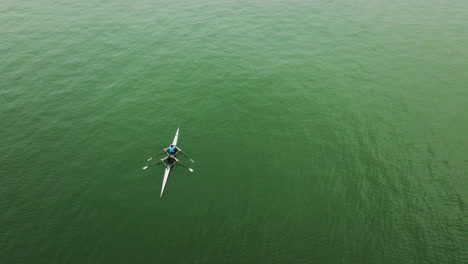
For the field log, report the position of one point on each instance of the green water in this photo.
(323, 131)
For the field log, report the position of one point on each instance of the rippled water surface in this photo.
(323, 131)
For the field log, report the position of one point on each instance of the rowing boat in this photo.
(168, 167)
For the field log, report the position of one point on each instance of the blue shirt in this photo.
(172, 149)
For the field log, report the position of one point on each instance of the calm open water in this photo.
(323, 131)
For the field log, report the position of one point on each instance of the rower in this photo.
(171, 160)
(173, 149)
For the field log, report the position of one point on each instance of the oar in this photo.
(180, 162)
(145, 167)
(186, 156)
(164, 150)
(160, 161)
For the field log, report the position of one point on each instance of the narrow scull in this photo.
(168, 167)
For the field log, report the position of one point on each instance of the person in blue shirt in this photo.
(172, 149)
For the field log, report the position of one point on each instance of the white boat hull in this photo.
(168, 168)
